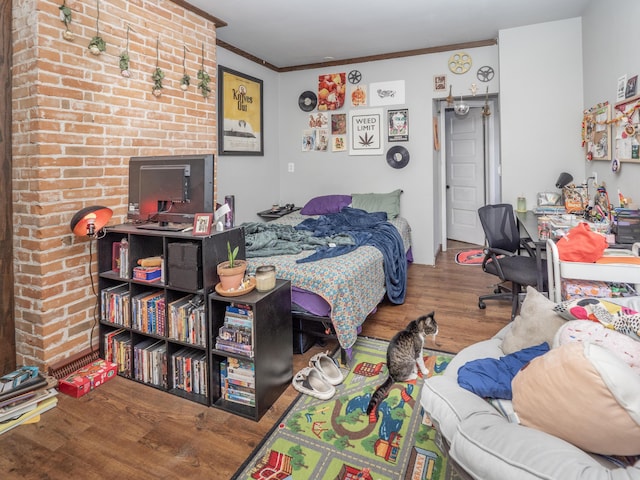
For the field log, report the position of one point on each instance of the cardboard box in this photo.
(85, 379)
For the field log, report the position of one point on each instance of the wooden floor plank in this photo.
(127, 430)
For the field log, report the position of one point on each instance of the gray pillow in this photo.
(536, 323)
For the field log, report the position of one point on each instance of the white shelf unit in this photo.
(605, 272)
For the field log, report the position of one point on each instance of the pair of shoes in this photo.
(328, 368)
(310, 381)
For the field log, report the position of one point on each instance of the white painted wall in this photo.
(254, 180)
(319, 173)
(541, 107)
(539, 75)
(610, 38)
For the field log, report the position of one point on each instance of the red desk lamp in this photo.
(90, 220)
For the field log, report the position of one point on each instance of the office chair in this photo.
(503, 256)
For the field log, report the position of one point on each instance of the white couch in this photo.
(487, 446)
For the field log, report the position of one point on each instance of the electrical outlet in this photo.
(291, 167)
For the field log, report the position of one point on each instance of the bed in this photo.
(337, 293)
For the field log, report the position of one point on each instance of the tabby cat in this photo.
(404, 356)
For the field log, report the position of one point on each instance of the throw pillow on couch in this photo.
(584, 394)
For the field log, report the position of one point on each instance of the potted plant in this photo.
(231, 271)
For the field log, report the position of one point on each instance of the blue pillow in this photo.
(326, 204)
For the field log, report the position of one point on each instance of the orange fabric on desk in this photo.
(581, 244)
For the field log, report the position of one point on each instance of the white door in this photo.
(465, 175)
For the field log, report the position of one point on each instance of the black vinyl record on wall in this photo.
(307, 101)
(398, 156)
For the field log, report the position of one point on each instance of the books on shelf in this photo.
(150, 362)
(236, 334)
(189, 368)
(121, 351)
(114, 305)
(187, 320)
(237, 381)
(148, 312)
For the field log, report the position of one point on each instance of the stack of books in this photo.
(117, 349)
(238, 381)
(115, 305)
(148, 312)
(187, 321)
(236, 334)
(24, 395)
(150, 362)
(189, 368)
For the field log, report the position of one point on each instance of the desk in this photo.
(528, 226)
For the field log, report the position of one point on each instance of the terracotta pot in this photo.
(231, 278)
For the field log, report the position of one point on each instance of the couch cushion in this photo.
(537, 323)
(488, 447)
(583, 394)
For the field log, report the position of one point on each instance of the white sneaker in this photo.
(310, 382)
(328, 368)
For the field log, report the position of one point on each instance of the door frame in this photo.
(492, 167)
(7, 297)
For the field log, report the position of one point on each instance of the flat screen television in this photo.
(165, 190)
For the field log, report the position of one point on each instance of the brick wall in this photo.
(76, 122)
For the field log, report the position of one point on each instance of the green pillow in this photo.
(378, 202)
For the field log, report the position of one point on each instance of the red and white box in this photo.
(85, 379)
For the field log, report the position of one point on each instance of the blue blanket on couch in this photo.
(365, 229)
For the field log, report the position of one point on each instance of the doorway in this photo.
(470, 169)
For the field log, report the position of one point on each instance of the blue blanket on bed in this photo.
(365, 229)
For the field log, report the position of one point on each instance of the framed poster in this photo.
(596, 132)
(366, 132)
(398, 122)
(240, 128)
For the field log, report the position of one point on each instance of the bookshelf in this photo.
(260, 368)
(158, 331)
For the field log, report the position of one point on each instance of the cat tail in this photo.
(381, 392)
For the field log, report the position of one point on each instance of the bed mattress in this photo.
(351, 285)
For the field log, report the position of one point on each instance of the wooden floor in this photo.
(126, 430)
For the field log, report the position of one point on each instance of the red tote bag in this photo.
(581, 244)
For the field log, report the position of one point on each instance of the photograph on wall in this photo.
(622, 86)
(322, 139)
(359, 96)
(398, 123)
(596, 133)
(339, 143)
(308, 140)
(440, 83)
(632, 87)
(240, 101)
(332, 89)
(366, 132)
(386, 93)
(338, 124)
(319, 120)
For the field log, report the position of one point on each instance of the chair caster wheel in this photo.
(497, 290)
(481, 305)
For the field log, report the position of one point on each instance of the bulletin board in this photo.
(596, 132)
(627, 129)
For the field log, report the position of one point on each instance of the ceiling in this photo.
(289, 33)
